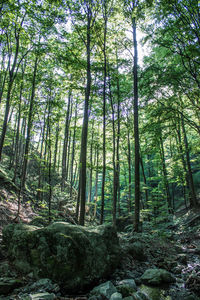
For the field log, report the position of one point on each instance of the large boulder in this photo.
(72, 256)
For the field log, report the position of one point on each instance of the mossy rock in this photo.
(126, 287)
(157, 277)
(72, 256)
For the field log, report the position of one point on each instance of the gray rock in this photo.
(140, 296)
(116, 296)
(43, 285)
(126, 287)
(157, 277)
(129, 282)
(106, 290)
(42, 296)
(72, 256)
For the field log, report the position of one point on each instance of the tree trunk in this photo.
(145, 182)
(166, 183)
(83, 156)
(185, 181)
(104, 114)
(12, 75)
(49, 157)
(28, 135)
(3, 80)
(136, 131)
(91, 164)
(41, 164)
(56, 146)
(64, 155)
(118, 139)
(96, 181)
(193, 198)
(129, 170)
(114, 210)
(73, 151)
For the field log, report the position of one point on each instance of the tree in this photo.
(131, 8)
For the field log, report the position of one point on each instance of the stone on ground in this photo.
(126, 287)
(157, 277)
(72, 256)
(116, 296)
(41, 296)
(106, 289)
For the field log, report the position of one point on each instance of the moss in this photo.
(71, 255)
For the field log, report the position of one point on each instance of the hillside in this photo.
(173, 246)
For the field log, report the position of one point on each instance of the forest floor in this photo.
(176, 248)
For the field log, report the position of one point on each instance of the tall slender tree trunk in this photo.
(193, 198)
(104, 113)
(16, 159)
(166, 183)
(68, 155)
(3, 79)
(64, 155)
(83, 156)
(91, 164)
(41, 164)
(12, 146)
(129, 170)
(12, 75)
(114, 208)
(49, 157)
(28, 135)
(186, 185)
(145, 182)
(118, 139)
(56, 147)
(136, 130)
(96, 181)
(73, 151)
(16, 152)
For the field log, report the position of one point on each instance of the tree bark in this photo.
(193, 199)
(64, 155)
(91, 164)
(12, 75)
(136, 131)
(129, 170)
(28, 135)
(73, 151)
(166, 183)
(83, 156)
(104, 113)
